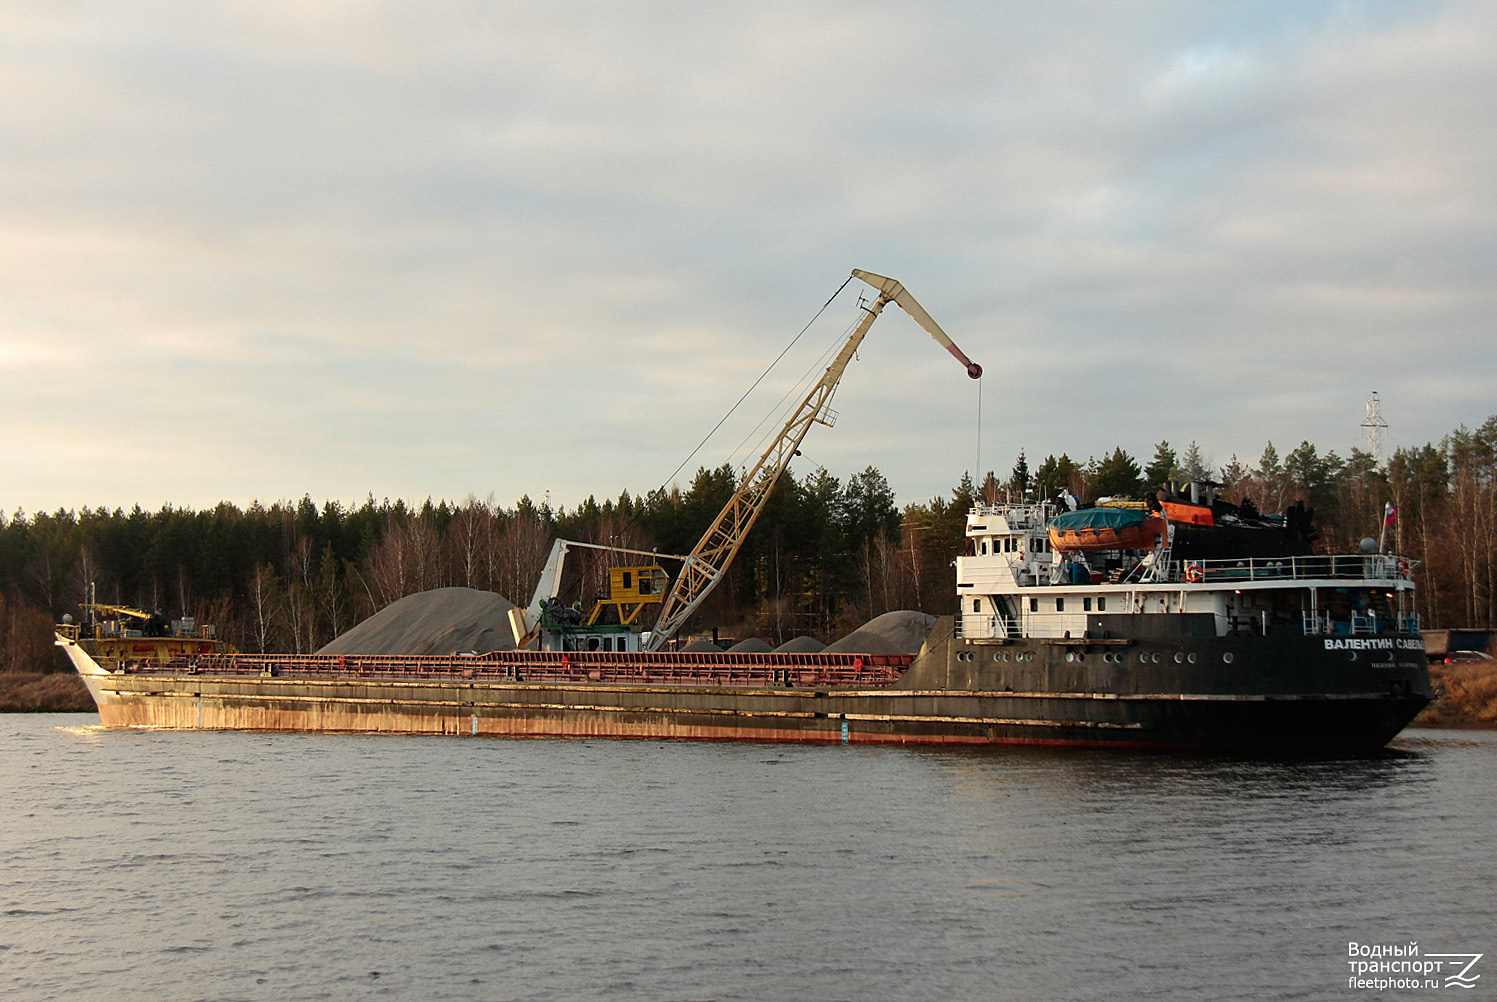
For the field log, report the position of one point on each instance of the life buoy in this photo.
(1195, 573)
(1403, 569)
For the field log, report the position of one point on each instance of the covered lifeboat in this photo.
(1106, 529)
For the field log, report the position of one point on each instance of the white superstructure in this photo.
(1013, 583)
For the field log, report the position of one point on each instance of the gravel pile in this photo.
(906, 629)
(449, 620)
(863, 642)
(440, 621)
(801, 645)
(900, 632)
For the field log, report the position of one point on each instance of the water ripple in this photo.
(185, 865)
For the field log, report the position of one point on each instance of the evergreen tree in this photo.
(1117, 475)
(1019, 479)
(1194, 466)
(1053, 477)
(1161, 469)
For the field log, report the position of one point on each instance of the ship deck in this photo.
(666, 668)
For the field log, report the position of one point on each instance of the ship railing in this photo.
(1344, 567)
(1018, 516)
(1357, 625)
(980, 626)
(728, 670)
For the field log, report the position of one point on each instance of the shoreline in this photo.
(38, 692)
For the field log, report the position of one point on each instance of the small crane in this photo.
(707, 564)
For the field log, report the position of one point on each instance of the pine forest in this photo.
(826, 555)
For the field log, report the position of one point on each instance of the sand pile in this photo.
(701, 647)
(801, 645)
(900, 632)
(862, 642)
(906, 629)
(440, 621)
(753, 645)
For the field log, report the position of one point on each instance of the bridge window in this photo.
(977, 605)
(1034, 605)
(1086, 605)
(1060, 605)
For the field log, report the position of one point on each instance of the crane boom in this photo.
(906, 302)
(715, 551)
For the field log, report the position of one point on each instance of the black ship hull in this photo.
(1303, 694)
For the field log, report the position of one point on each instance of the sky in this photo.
(459, 249)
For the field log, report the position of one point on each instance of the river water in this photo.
(190, 865)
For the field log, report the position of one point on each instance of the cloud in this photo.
(457, 248)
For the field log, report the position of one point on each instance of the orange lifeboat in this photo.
(1105, 529)
(1190, 514)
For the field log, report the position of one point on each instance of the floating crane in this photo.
(631, 588)
(707, 564)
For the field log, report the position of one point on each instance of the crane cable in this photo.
(595, 555)
(751, 389)
(786, 404)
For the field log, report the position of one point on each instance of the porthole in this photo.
(1179, 658)
(1227, 657)
(1156, 658)
(1070, 656)
(1191, 657)
(1143, 657)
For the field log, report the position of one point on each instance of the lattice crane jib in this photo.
(713, 554)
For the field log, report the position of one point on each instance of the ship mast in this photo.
(709, 561)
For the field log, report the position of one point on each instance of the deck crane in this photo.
(707, 563)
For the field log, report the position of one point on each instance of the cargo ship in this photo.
(1091, 647)
(1185, 623)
